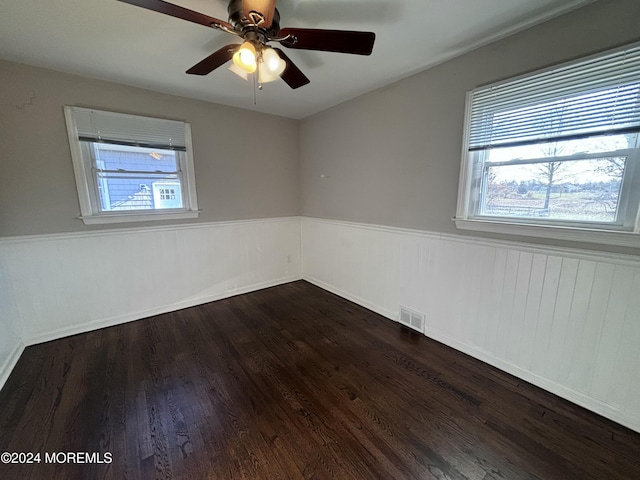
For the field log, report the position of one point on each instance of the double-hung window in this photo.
(556, 153)
(131, 168)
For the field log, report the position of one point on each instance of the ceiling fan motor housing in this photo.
(244, 25)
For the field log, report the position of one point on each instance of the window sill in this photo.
(137, 217)
(586, 235)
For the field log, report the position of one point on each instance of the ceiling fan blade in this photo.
(341, 41)
(179, 12)
(264, 7)
(213, 61)
(292, 75)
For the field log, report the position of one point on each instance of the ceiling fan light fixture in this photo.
(266, 77)
(271, 59)
(238, 71)
(257, 22)
(245, 57)
(271, 66)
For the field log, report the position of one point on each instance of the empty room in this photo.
(320, 239)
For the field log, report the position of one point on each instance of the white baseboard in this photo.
(353, 298)
(117, 320)
(590, 403)
(571, 395)
(10, 362)
(560, 318)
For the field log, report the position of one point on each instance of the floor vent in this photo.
(412, 319)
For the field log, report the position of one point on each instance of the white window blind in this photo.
(597, 96)
(133, 130)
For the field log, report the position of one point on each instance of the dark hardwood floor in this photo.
(291, 382)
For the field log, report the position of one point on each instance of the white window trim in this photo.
(91, 217)
(574, 234)
(464, 221)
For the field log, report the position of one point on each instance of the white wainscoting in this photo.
(71, 283)
(11, 341)
(565, 320)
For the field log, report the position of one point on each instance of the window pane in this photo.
(128, 191)
(135, 178)
(137, 159)
(599, 144)
(576, 190)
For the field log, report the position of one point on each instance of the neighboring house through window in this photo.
(131, 168)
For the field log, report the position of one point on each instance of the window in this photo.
(131, 168)
(556, 154)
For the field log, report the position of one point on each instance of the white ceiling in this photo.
(111, 40)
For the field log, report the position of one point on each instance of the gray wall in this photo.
(392, 157)
(237, 177)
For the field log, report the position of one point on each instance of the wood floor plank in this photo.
(292, 382)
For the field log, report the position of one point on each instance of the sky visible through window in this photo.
(520, 182)
(588, 171)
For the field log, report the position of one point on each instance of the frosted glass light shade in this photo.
(265, 77)
(245, 57)
(271, 67)
(270, 59)
(239, 71)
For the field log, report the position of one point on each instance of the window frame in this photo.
(82, 157)
(470, 191)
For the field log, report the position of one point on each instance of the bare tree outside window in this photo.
(551, 173)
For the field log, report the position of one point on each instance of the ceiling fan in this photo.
(257, 22)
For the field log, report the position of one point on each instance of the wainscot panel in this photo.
(71, 283)
(565, 320)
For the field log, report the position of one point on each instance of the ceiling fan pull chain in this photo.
(258, 65)
(255, 81)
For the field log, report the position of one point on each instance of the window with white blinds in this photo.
(132, 130)
(556, 148)
(599, 96)
(125, 165)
